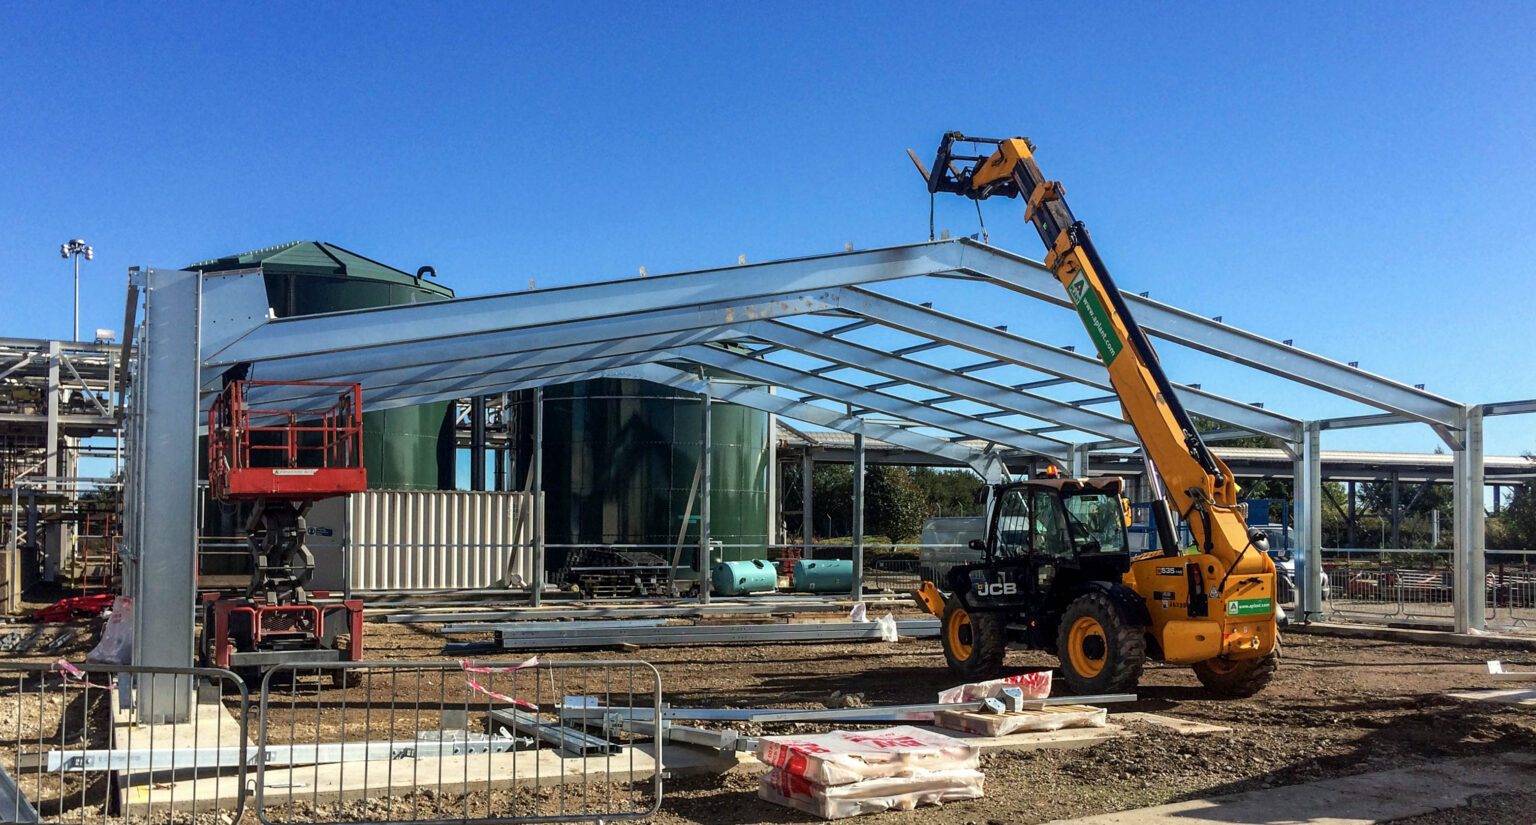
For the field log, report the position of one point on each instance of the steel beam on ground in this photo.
(954, 382)
(716, 634)
(488, 618)
(157, 759)
(293, 337)
(586, 708)
(1034, 355)
(1223, 341)
(569, 741)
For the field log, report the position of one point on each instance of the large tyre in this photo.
(1099, 651)
(974, 643)
(1238, 679)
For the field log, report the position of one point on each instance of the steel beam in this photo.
(859, 471)
(1034, 355)
(294, 337)
(954, 382)
(782, 376)
(1307, 491)
(1231, 343)
(1470, 565)
(391, 364)
(167, 508)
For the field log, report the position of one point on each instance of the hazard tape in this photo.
(468, 668)
(78, 676)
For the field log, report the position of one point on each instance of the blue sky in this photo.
(1357, 177)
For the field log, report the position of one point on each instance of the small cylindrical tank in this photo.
(738, 578)
(823, 575)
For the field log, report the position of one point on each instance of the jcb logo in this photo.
(996, 589)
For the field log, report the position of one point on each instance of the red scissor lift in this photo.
(281, 452)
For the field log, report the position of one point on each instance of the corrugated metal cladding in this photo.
(439, 539)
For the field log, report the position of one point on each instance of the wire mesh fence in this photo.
(73, 750)
(461, 742)
(1418, 586)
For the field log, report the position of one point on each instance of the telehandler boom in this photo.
(1057, 573)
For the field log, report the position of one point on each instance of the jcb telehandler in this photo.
(1057, 574)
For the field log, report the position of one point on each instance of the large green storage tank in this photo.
(620, 458)
(411, 448)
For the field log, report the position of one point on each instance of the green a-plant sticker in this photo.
(1249, 607)
(1095, 318)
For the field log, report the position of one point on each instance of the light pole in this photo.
(74, 249)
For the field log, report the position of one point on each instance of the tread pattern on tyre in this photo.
(1126, 646)
(989, 644)
(1241, 682)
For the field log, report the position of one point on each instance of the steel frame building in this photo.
(668, 329)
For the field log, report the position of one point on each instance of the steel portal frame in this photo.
(666, 329)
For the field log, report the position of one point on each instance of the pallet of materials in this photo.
(1030, 720)
(847, 773)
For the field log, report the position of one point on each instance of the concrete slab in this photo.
(1508, 696)
(1417, 637)
(332, 782)
(1353, 800)
(1187, 727)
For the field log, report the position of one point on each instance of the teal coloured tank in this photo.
(740, 578)
(408, 448)
(620, 461)
(823, 576)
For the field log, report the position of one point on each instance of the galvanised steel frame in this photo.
(670, 329)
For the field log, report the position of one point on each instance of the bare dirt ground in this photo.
(1338, 707)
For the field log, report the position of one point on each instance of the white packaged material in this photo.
(1033, 685)
(842, 757)
(899, 793)
(116, 645)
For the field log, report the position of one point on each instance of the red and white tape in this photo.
(468, 668)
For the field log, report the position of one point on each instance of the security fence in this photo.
(375, 742)
(1418, 587)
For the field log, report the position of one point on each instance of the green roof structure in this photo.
(317, 258)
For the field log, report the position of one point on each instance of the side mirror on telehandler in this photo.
(977, 544)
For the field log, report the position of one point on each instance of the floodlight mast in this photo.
(75, 248)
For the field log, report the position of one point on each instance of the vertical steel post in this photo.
(1470, 566)
(477, 443)
(705, 494)
(51, 431)
(1397, 512)
(1354, 539)
(1307, 488)
(167, 395)
(858, 516)
(536, 587)
(807, 510)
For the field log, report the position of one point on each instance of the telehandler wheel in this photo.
(1099, 652)
(1238, 679)
(974, 643)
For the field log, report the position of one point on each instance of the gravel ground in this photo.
(1338, 707)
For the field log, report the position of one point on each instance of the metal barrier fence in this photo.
(72, 752)
(459, 742)
(1411, 585)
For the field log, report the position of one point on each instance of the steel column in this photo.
(1471, 581)
(537, 586)
(1307, 489)
(51, 430)
(807, 510)
(706, 462)
(166, 556)
(477, 443)
(858, 515)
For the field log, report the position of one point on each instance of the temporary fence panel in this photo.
(74, 750)
(402, 540)
(460, 742)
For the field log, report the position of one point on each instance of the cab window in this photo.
(1012, 525)
(1096, 522)
(1049, 527)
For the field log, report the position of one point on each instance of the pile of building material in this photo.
(1016, 704)
(649, 633)
(846, 773)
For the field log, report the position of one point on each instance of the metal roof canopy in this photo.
(668, 329)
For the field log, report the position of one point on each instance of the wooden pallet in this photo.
(1054, 717)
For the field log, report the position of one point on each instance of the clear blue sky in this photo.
(1356, 176)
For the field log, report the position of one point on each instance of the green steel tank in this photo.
(620, 458)
(411, 448)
